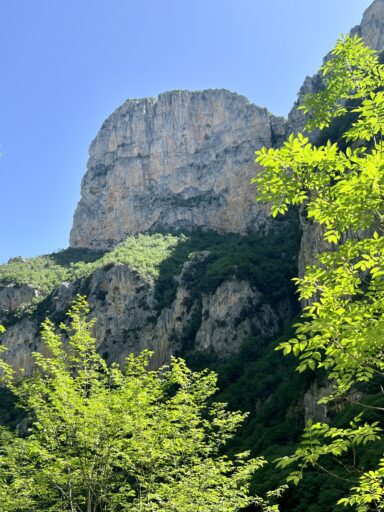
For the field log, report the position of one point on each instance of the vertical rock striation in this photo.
(371, 28)
(123, 303)
(181, 162)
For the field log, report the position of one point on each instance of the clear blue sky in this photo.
(67, 64)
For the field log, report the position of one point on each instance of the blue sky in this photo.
(67, 64)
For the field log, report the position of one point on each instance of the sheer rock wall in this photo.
(181, 162)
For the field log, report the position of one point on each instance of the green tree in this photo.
(342, 191)
(105, 439)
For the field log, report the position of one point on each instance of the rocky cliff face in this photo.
(184, 161)
(176, 163)
(371, 28)
(123, 302)
(180, 162)
(13, 296)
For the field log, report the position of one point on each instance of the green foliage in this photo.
(46, 272)
(342, 190)
(144, 252)
(268, 262)
(106, 439)
(260, 380)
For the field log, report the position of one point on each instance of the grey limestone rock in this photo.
(312, 409)
(228, 318)
(176, 163)
(371, 28)
(13, 296)
(128, 319)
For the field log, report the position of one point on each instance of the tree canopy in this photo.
(102, 438)
(342, 191)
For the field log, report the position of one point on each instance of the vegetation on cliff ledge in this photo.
(266, 261)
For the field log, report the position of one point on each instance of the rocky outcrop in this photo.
(371, 28)
(312, 243)
(21, 340)
(313, 410)
(13, 296)
(128, 318)
(184, 160)
(228, 318)
(296, 118)
(179, 162)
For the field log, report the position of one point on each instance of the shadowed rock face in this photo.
(123, 303)
(181, 162)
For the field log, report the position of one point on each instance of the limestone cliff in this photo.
(184, 161)
(179, 162)
(371, 28)
(124, 304)
(12, 296)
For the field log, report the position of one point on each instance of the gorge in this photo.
(175, 255)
